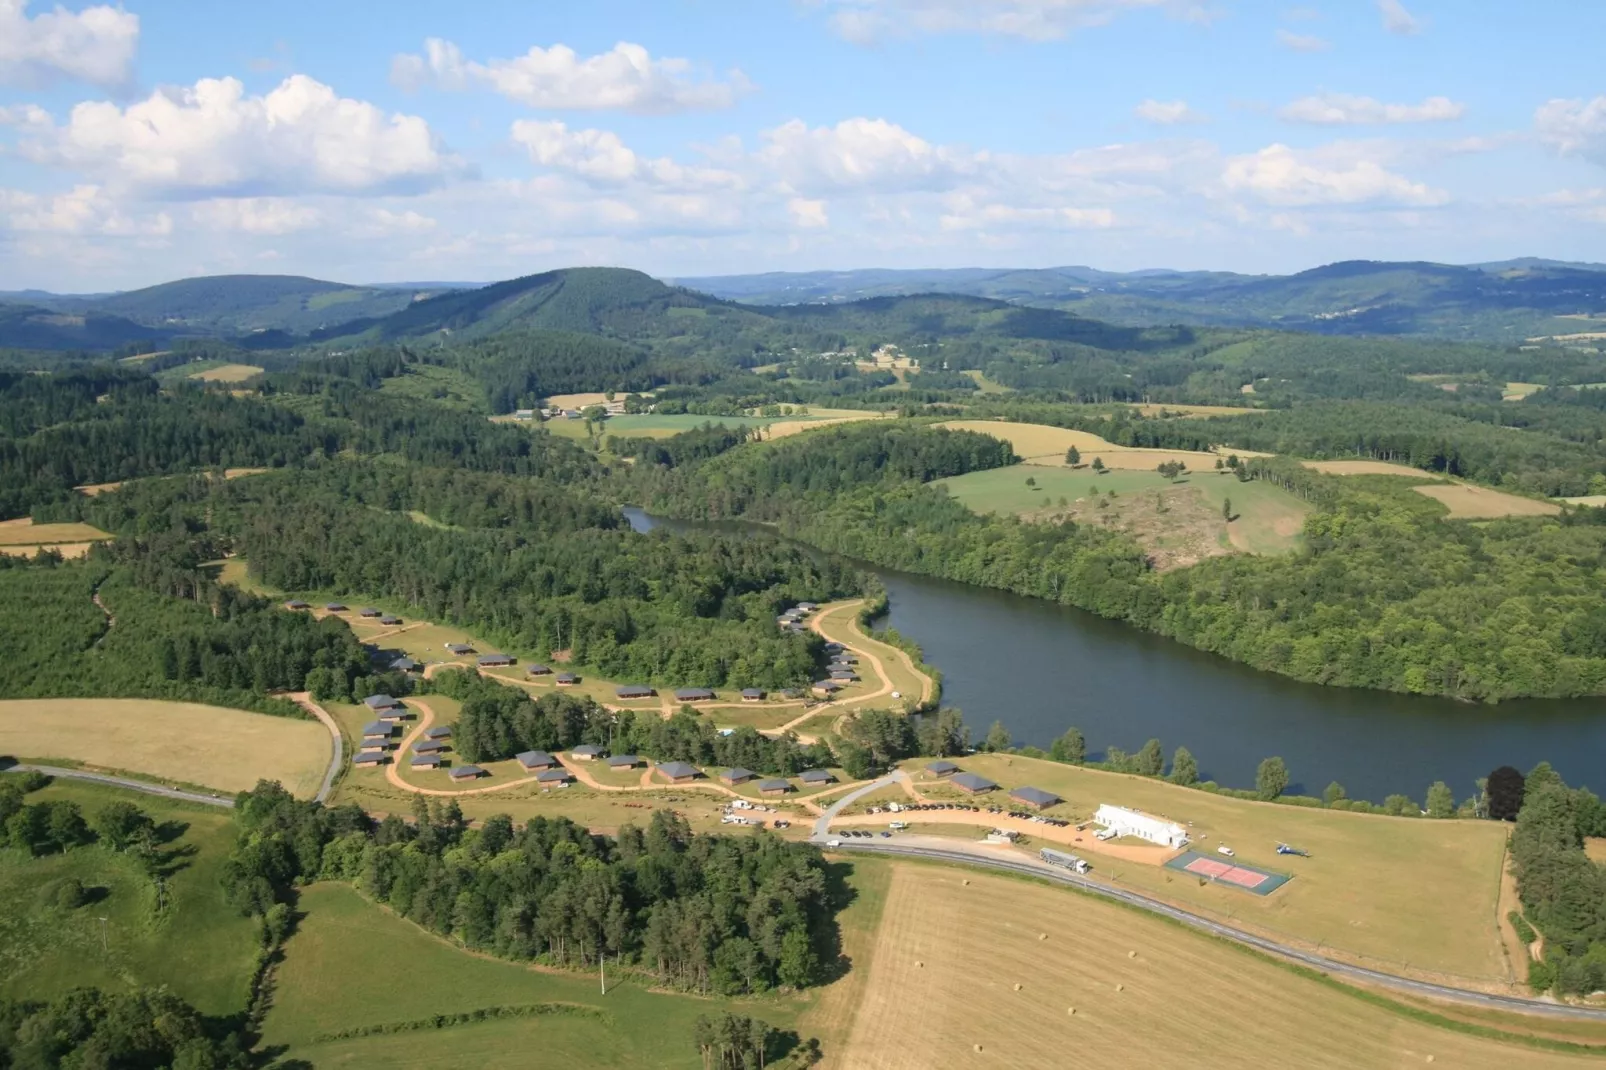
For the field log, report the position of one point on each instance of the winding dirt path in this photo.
(111, 621)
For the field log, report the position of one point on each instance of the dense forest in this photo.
(1563, 891)
(711, 914)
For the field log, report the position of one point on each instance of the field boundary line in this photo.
(1320, 964)
(144, 786)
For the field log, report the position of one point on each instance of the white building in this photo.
(1125, 822)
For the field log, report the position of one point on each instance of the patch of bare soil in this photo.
(1176, 525)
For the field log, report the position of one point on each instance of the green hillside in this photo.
(33, 327)
(241, 304)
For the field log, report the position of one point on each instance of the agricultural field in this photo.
(1043, 445)
(985, 385)
(1013, 973)
(25, 532)
(1180, 523)
(1402, 893)
(226, 750)
(226, 373)
(1518, 391)
(1192, 410)
(1594, 501)
(196, 944)
(1467, 502)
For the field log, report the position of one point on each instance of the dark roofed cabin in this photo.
(538, 670)
(827, 687)
(296, 603)
(693, 694)
(536, 759)
(970, 782)
(494, 660)
(816, 776)
(737, 775)
(679, 772)
(846, 676)
(774, 787)
(427, 761)
(752, 694)
(404, 665)
(459, 649)
(624, 761)
(566, 679)
(941, 768)
(554, 776)
(465, 772)
(368, 611)
(380, 702)
(430, 746)
(376, 730)
(629, 691)
(334, 607)
(371, 757)
(439, 731)
(586, 752)
(1035, 797)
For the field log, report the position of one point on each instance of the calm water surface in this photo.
(1041, 668)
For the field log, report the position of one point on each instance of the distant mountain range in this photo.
(1502, 302)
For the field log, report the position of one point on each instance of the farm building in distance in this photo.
(439, 731)
(752, 694)
(457, 650)
(334, 607)
(679, 772)
(816, 776)
(941, 768)
(405, 664)
(844, 676)
(625, 761)
(380, 702)
(538, 670)
(1035, 797)
(774, 786)
(465, 772)
(693, 694)
(628, 691)
(390, 619)
(737, 775)
(369, 611)
(533, 760)
(565, 679)
(430, 746)
(426, 761)
(826, 687)
(376, 730)
(1124, 822)
(554, 776)
(296, 603)
(492, 661)
(586, 752)
(971, 783)
(372, 757)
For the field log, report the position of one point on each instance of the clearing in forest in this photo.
(1518, 391)
(1043, 445)
(228, 373)
(1467, 502)
(1367, 468)
(1179, 523)
(228, 750)
(1409, 895)
(972, 969)
(1194, 410)
(352, 966)
(25, 532)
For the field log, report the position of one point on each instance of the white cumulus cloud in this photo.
(1168, 112)
(868, 21)
(1339, 109)
(95, 45)
(601, 157)
(1396, 19)
(808, 214)
(213, 139)
(626, 78)
(83, 210)
(1278, 175)
(1574, 127)
(256, 215)
(860, 153)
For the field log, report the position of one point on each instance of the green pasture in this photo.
(196, 943)
(1268, 519)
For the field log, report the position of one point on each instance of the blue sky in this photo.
(369, 141)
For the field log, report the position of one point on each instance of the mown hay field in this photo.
(25, 532)
(972, 969)
(1467, 502)
(1367, 468)
(1194, 410)
(67, 550)
(1405, 893)
(352, 965)
(1044, 445)
(199, 945)
(228, 373)
(228, 750)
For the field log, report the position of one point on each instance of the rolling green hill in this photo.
(33, 327)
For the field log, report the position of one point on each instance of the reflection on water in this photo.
(1040, 668)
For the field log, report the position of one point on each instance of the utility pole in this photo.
(602, 963)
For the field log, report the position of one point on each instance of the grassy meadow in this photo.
(1467, 502)
(1398, 891)
(226, 750)
(196, 944)
(973, 969)
(25, 532)
(226, 373)
(1043, 445)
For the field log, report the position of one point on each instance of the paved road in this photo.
(338, 745)
(822, 824)
(226, 801)
(1260, 943)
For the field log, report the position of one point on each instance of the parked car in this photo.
(1224, 850)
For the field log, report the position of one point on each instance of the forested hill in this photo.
(1504, 302)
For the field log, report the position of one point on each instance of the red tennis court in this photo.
(1248, 878)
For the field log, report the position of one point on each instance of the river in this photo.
(1041, 668)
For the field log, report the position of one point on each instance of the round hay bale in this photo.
(1070, 1010)
(1430, 1058)
(919, 964)
(1131, 954)
(1120, 988)
(1042, 936)
(1017, 986)
(978, 1047)
(966, 883)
